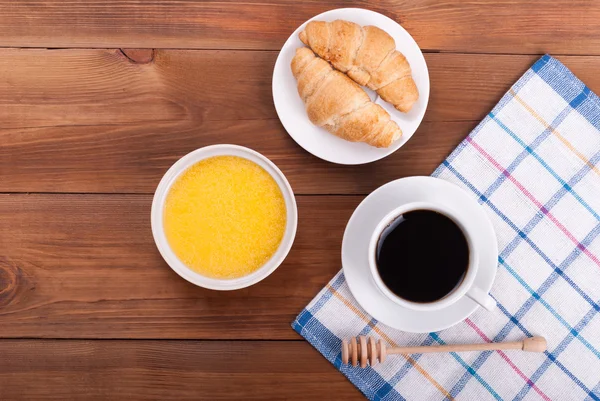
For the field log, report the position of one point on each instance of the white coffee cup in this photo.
(465, 288)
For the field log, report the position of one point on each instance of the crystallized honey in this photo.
(224, 217)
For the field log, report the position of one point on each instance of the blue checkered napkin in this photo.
(533, 165)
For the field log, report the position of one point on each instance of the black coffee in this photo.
(422, 256)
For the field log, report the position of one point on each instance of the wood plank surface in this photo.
(484, 26)
(88, 308)
(167, 370)
(41, 88)
(132, 159)
(85, 266)
(94, 121)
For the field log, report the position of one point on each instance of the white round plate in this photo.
(318, 141)
(356, 242)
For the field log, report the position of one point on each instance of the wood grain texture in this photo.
(487, 26)
(132, 159)
(167, 370)
(85, 266)
(41, 88)
(139, 56)
(94, 121)
(91, 118)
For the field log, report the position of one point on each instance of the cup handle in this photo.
(482, 298)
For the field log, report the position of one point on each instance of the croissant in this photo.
(338, 104)
(368, 55)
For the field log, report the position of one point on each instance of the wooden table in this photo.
(88, 309)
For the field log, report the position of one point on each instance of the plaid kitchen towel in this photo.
(533, 165)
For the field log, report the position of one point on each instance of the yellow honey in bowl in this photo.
(224, 217)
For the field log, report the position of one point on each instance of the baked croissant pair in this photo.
(334, 101)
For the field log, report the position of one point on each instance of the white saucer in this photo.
(318, 141)
(356, 241)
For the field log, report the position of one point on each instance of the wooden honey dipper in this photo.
(353, 350)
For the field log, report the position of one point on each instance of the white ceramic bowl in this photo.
(158, 206)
